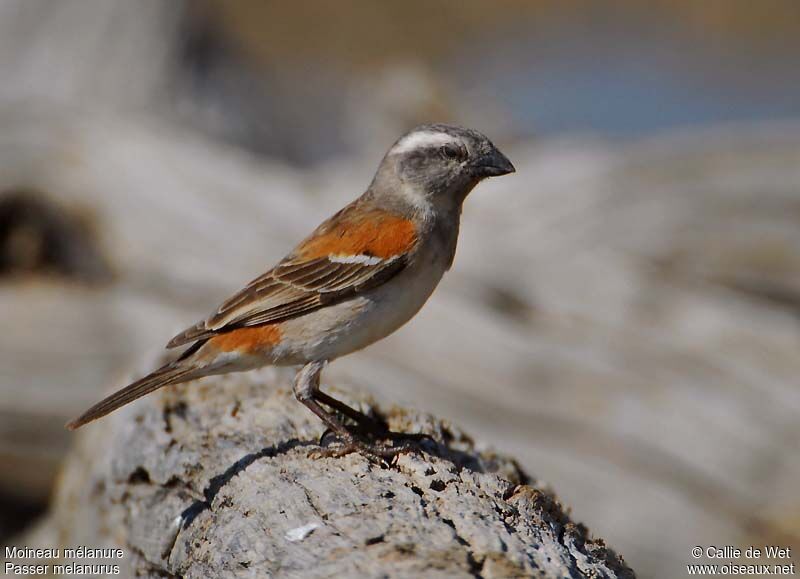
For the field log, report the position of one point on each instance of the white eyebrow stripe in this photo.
(422, 139)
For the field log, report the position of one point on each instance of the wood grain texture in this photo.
(213, 479)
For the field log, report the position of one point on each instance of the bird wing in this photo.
(357, 249)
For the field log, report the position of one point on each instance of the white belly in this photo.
(351, 325)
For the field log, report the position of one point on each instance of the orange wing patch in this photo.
(374, 233)
(247, 340)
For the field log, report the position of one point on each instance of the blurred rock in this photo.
(213, 478)
(85, 55)
(39, 237)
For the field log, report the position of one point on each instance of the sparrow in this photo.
(357, 278)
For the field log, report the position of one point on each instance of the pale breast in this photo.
(351, 325)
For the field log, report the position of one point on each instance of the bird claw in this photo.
(360, 441)
(384, 434)
(324, 436)
(409, 436)
(382, 454)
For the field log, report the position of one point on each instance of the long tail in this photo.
(168, 374)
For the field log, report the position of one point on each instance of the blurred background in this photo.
(624, 312)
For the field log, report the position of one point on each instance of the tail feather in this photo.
(169, 374)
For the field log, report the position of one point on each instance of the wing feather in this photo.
(381, 245)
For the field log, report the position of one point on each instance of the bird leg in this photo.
(368, 424)
(306, 390)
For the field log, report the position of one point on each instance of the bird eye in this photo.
(451, 151)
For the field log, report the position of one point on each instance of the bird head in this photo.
(440, 164)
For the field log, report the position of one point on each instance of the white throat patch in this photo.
(422, 139)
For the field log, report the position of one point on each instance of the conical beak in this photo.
(493, 164)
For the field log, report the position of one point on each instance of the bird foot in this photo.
(406, 436)
(383, 454)
(381, 434)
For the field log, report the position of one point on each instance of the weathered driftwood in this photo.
(214, 479)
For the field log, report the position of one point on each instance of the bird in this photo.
(361, 275)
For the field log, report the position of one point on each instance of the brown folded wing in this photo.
(352, 252)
